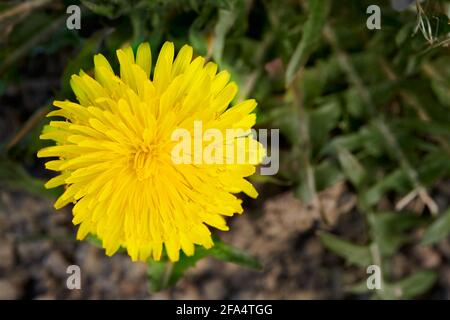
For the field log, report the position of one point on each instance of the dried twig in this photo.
(29, 124)
(32, 42)
(22, 8)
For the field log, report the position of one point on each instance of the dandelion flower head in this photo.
(113, 151)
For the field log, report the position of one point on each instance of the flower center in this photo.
(144, 160)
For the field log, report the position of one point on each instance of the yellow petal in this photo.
(144, 57)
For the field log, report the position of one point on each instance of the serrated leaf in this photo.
(281, 118)
(433, 167)
(110, 10)
(390, 229)
(396, 180)
(358, 288)
(327, 174)
(163, 274)
(442, 92)
(318, 12)
(381, 94)
(257, 178)
(322, 120)
(352, 253)
(409, 287)
(186, 262)
(438, 230)
(225, 252)
(367, 139)
(312, 83)
(351, 166)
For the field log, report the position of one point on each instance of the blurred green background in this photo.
(364, 145)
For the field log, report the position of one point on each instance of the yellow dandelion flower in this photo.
(114, 151)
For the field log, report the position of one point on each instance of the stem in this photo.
(167, 273)
(302, 148)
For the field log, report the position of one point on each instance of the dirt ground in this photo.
(37, 244)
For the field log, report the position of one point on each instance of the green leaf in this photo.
(13, 176)
(225, 252)
(186, 262)
(352, 253)
(164, 274)
(410, 287)
(367, 139)
(109, 9)
(358, 288)
(390, 229)
(438, 230)
(198, 41)
(311, 84)
(327, 174)
(257, 178)
(318, 12)
(94, 240)
(442, 92)
(281, 117)
(381, 93)
(224, 24)
(407, 288)
(157, 275)
(433, 167)
(351, 166)
(322, 120)
(305, 191)
(396, 180)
